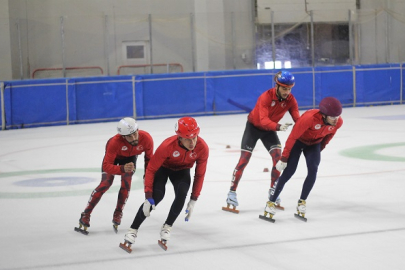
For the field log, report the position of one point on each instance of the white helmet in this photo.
(127, 126)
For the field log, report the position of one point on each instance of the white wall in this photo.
(94, 30)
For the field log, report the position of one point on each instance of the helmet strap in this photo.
(278, 94)
(324, 119)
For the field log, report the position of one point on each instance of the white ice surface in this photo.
(356, 216)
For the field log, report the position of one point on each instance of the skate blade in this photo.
(125, 247)
(80, 230)
(269, 219)
(232, 210)
(300, 217)
(279, 207)
(162, 244)
(115, 227)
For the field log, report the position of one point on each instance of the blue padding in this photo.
(100, 98)
(170, 95)
(44, 102)
(378, 83)
(237, 90)
(336, 82)
(36, 102)
(304, 87)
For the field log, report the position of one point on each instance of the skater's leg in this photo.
(98, 192)
(272, 144)
(275, 153)
(123, 195)
(159, 189)
(289, 171)
(249, 140)
(181, 183)
(313, 159)
(238, 171)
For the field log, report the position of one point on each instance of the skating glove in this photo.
(189, 209)
(280, 166)
(285, 126)
(147, 205)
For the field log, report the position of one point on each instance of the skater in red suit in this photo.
(262, 124)
(173, 160)
(310, 135)
(121, 153)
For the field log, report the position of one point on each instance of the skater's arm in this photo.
(200, 169)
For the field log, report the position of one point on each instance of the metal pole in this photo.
(358, 48)
(133, 97)
(387, 39)
(402, 85)
(107, 49)
(313, 58)
(354, 86)
(312, 38)
(233, 39)
(3, 113)
(20, 51)
(375, 37)
(350, 37)
(67, 101)
(273, 39)
(254, 38)
(192, 41)
(62, 33)
(150, 43)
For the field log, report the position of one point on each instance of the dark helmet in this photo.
(284, 78)
(330, 106)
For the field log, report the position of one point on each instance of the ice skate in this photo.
(278, 200)
(232, 200)
(164, 236)
(129, 239)
(84, 222)
(116, 220)
(301, 209)
(269, 209)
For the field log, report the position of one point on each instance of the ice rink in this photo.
(356, 216)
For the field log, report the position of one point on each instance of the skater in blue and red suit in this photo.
(310, 135)
(262, 124)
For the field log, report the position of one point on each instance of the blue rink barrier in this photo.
(65, 101)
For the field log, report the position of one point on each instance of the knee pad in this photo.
(275, 153)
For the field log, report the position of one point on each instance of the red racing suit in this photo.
(171, 155)
(118, 148)
(269, 110)
(310, 129)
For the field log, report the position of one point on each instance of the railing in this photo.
(168, 65)
(67, 68)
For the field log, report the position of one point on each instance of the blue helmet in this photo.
(284, 78)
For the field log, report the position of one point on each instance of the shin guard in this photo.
(105, 184)
(237, 173)
(275, 153)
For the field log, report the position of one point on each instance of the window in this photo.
(135, 52)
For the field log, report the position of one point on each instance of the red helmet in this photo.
(330, 106)
(187, 127)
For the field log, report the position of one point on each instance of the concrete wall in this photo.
(202, 35)
(381, 31)
(68, 33)
(5, 49)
